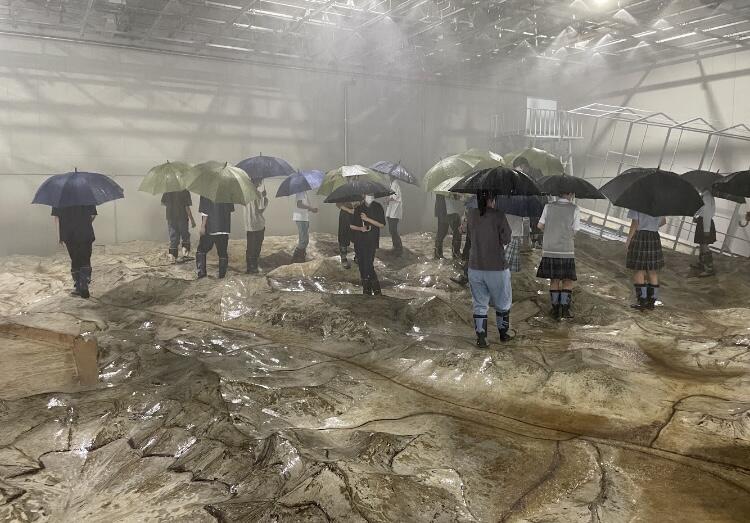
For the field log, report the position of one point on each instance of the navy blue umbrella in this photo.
(396, 170)
(77, 188)
(259, 167)
(523, 206)
(300, 182)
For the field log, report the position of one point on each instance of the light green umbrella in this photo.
(338, 177)
(481, 153)
(458, 165)
(547, 163)
(443, 188)
(221, 183)
(167, 177)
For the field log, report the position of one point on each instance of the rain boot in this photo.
(223, 265)
(461, 279)
(640, 297)
(480, 327)
(297, 255)
(344, 260)
(200, 264)
(555, 302)
(503, 321)
(375, 286)
(708, 265)
(565, 303)
(438, 252)
(173, 255)
(652, 295)
(75, 291)
(84, 278)
(366, 287)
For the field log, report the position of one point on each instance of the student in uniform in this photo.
(489, 277)
(301, 217)
(560, 220)
(448, 211)
(645, 257)
(177, 204)
(76, 230)
(394, 214)
(705, 234)
(346, 210)
(368, 219)
(255, 227)
(216, 222)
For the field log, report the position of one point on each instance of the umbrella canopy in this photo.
(355, 189)
(547, 163)
(703, 180)
(562, 184)
(338, 177)
(498, 180)
(484, 154)
(221, 183)
(457, 165)
(259, 167)
(654, 192)
(396, 170)
(77, 188)
(300, 182)
(167, 177)
(737, 184)
(444, 187)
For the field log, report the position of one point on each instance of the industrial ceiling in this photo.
(428, 39)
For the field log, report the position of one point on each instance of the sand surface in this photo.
(288, 396)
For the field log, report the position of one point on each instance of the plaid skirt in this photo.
(644, 252)
(513, 254)
(557, 268)
(702, 237)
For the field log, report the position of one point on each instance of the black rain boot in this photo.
(223, 265)
(565, 311)
(556, 311)
(84, 278)
(297, 255)
(504, 326)
(461, 279)
(344, 260)
(708, 265)
(366, 287)
(438, 253)
(554, 305)
(640, 299)
(173, 254)
(200, 264)
(480, 327)
(651, 297)
(375, 286)
(75, 291)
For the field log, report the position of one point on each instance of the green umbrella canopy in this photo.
(457, 165)
(338, 177)
(444, 187)
(167, 177)
(547, 163)
(221, 183)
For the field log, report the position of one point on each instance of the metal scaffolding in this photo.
(629, 126)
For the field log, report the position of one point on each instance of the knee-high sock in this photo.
(565, 297)
(554, 297)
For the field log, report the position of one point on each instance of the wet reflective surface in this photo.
(290, 397)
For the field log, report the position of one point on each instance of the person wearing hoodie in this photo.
(489, 277)
(367, 220)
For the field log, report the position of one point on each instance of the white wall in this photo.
(119, 112)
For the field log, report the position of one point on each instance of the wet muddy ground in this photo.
(289, 397)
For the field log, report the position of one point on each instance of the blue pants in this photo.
(303, 229)
(178, 231)
(491, 287)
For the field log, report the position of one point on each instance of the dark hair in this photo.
(521, 161)
(482, 198)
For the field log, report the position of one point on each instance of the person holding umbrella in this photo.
(346, 211)
(559, 222)
(216, 224)
(367, 220)
(705, 234)
(301, 217)
(645, 256)
(178, 213)
(448, 211)
(255, 227)
(394, 214)
(73, 198)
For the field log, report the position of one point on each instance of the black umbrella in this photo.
(498, 180)
(737, 184)
(562, 183)
(703, 180)
(77, 188)
(355, 189)
(523, 206)
(653, 192)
